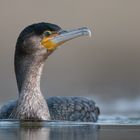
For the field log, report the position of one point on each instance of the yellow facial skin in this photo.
(48, 43)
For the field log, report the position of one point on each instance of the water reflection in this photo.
(107, 128)
(33, 134)
(74, 133)
(49, 132)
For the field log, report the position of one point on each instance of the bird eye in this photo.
(47, 33)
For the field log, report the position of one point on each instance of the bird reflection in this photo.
(41, 131)
(34, 134)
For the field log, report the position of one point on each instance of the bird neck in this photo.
(31, 103)
(28, 71)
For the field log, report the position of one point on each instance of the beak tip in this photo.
(89, 32)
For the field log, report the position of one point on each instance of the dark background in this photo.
(105, 67)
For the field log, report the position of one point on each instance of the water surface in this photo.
(107, 128)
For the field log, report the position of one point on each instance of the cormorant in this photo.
(34, 44)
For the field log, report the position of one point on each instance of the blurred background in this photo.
(105, 67)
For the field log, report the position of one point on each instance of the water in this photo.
(107, 128)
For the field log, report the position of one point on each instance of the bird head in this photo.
(44, 38)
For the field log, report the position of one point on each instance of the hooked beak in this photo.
(55, 40)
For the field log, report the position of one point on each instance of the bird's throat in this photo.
(28, 73)
(31, 103)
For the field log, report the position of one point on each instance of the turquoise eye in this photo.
(47, 33)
